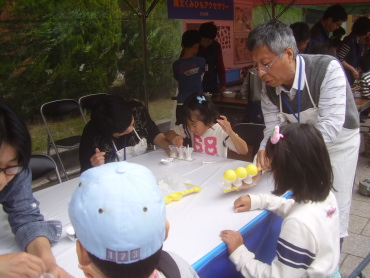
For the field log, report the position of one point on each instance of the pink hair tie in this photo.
(275, 135)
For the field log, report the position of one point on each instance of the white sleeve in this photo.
(277, 205)
(229, 143)
(294, 254)
(270, 112)
(332, 102)
(179, 130)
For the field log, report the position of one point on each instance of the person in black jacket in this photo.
(118, 130)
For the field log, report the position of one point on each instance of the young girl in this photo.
(209, 132)
(308, 244)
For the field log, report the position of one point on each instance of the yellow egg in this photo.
(241, 172)
(252, 169)
(229, 175)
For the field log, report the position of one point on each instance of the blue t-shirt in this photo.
(188, 72)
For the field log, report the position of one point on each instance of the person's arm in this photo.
(31, 231)
(40, 247)
(353, 71)
(276, 204)
(240, 145)
(174, 138)
(343, 52)
(293, 233)
(21, 265)
(332, 102)
(270, 112)
(87, 149)
(161, 141)
(301, 251)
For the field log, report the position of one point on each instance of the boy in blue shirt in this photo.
(188, 71)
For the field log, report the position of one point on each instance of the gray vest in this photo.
(315, 67)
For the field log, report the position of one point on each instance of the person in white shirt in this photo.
(308, 243)
(307, 88)
(205, 130)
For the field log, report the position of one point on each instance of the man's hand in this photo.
(98, 158)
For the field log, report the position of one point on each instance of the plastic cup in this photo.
(188, 152)
(173, 151)
(181, 152)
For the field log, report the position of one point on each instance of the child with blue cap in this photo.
(119, 216)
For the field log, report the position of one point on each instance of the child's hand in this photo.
(243, 203)
(232, 239)
(178, 141)
(225, 124)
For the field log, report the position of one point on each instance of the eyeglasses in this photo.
(339, 25)
(263, 69)
(11, 171)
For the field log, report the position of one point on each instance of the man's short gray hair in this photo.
(274, 34)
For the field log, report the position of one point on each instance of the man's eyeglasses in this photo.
(11, 171)
(263, 69)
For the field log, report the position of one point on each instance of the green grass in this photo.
(158, 109)
(161, 109)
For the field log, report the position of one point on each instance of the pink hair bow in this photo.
(275, 136)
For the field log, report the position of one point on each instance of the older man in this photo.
(307, 88)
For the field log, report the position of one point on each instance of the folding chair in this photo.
(87, 103)
(252, 134)
(41, 165)
(358, 270)
(59, 110)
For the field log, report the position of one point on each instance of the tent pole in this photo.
(273, 10)
(145, 51)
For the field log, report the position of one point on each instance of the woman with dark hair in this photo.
(32, 233)
(351, 49)
(118, 130)
(308, 244)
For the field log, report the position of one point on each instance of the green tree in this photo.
(53, 49)
(57, 49)
(164, 46)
